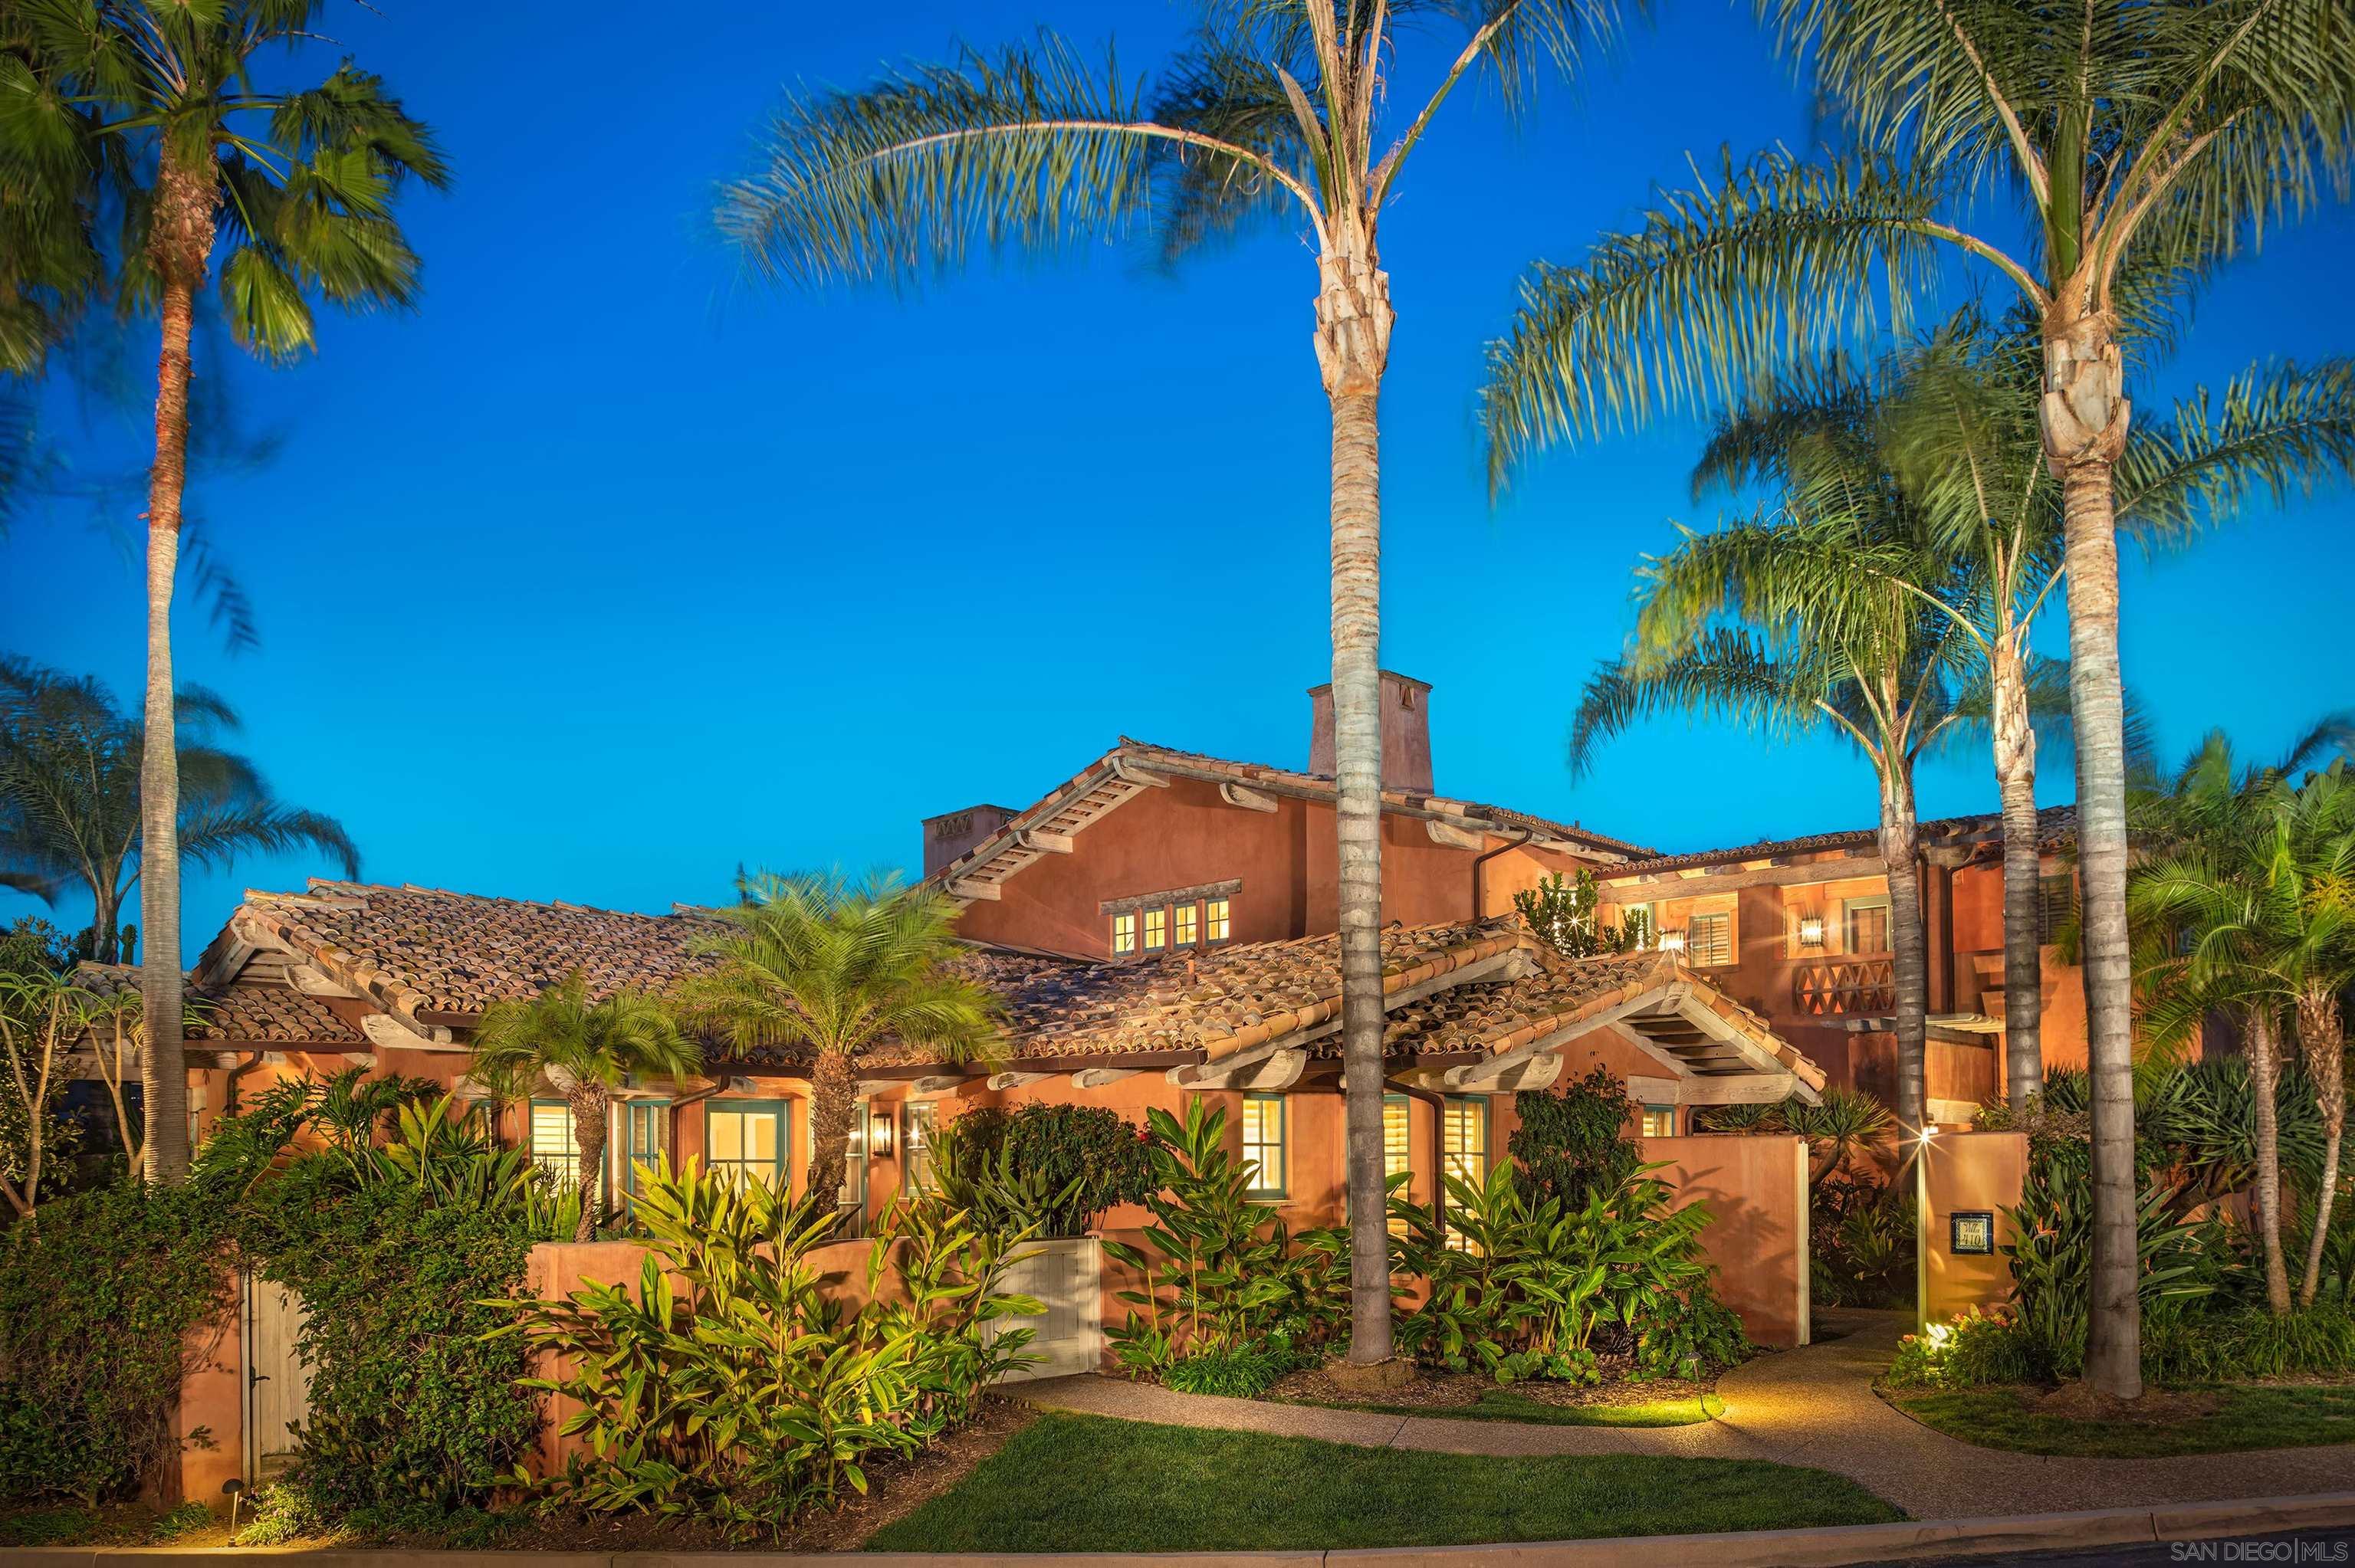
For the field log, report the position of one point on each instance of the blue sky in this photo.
(603, 572)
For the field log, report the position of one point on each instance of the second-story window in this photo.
(1157, 930)
(1708, 939)
(1866, 921)
(1215, 919)
(1188, 925)
(1124, 935)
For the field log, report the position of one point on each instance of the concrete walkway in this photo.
(1813, 1406)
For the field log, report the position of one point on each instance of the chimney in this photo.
(1406, 733)
(951, 833)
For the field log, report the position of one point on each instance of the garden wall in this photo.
(1967, 1173)
(1756, 1189)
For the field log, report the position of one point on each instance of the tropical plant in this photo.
(1520, 1284)
(42, 1022)
(1224, 1273)
(1565, 916)
(725, 1386)
(296, 188)
(1275, 110)
(1574, 1144)
(2051, 1259)
(837, 967)
(584, 1049)
(2143, 145)
(2248, 908)
(1067, 1163)
(1842, 1126)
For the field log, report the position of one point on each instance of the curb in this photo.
(2005, 1535)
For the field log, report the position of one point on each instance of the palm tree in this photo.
(1954, 420)
(299, 184)
(2144, 141)
(1274, 109)
(69, 812)
(834, 968)
(2247, 908)
(584, 1049)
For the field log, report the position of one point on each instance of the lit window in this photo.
(1464, 1146)
(1124, 935)
(552, 1148)
(854, 1160)
(1214, 920)
(916, 1144)
(1189, 924)
(1708, 939)
(1395, 1145)
(746, 1141)
(1867, 925)
(1157, 929)
(1263, 1143)
(647, 1129)
(1659, 1121)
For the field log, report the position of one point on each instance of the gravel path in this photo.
(1813, 1406)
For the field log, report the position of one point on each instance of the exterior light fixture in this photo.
(882, 1140)
(1811, 930)
(1672, 941)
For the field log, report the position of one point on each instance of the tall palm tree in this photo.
(2150, 140)
(2250, 906)
(820, 964)
(1273, 110)
(292, 191)
(1952, 419)
(70, 811)
(584, 1048)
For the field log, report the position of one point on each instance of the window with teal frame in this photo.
(1263, 1132)
(645, 1134)
(748, 1140)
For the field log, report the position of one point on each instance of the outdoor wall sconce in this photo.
(881, 1142)
(1811, 930)
(1672, 941)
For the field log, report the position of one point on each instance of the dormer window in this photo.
(1157, 929)
(1148, 924)
(1124, 935)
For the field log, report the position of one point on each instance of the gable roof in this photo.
(1133, 767)
(242, 1012)
(2055, 826)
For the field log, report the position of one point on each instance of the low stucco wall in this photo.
(212, 1403)
(1756, 1189)
(1964, 1172)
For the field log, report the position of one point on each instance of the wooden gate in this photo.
(1068, 1277)
(277, 1383)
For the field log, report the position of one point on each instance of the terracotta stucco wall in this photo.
(1756, 1189)
(1961, 1172)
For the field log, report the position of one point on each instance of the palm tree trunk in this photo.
(2023, 869)
(2084, 417)
(1353, 318)
(588, 1119)
(833, 1098)
(2264, 1081)
(179, 241)
(2322, 1041)
(1909, 947)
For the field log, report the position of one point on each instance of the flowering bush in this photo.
(1976, 1347)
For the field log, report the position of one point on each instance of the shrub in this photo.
(2052, 1259)
(1065, 1165)
(1574, 1144)
(1862, 1243)
(1524, 1286)
(1223, 1271)
(725, 1387)
(1236, 1371)
(1974, 1350)
(97, 1303)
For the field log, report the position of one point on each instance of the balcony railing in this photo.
(1845, 988)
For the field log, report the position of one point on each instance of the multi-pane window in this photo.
(916, 1144)
(645, 1132)
(1157, 929)
(1123, 933)
(1215, 919)
(1659, 1121)
(1708, 939)
(552, 1148)
(1866, 920)
(745, 1140)
(1189, 918)
(1263, 1143)
(854, 1160)
(1464, 1144)
(1396, 1145)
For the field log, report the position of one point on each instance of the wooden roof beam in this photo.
(1250, 799)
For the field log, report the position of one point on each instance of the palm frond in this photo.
(2281, 429)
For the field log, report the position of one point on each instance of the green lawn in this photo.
(1511, 1404)
(2248, 1417)
(1084, 1483)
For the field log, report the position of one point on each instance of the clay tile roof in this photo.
(422, 948)
(2055, 826)
(241, 1011)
